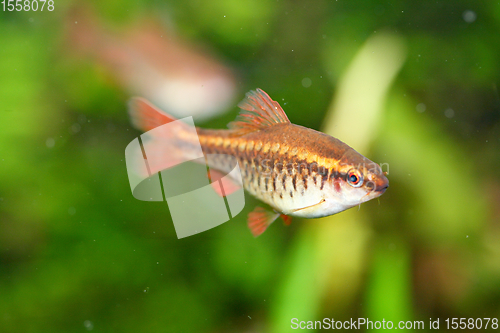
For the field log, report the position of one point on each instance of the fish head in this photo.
(357, 180)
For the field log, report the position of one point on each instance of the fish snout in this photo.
(381, 184)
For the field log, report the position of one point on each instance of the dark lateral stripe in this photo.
(324, 178)
(301, 166)
(322, 171)
(294, 182)
(314, 168)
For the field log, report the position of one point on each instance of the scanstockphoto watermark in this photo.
(356, 324)
(365, 323)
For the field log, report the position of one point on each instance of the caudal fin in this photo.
(145, 116)
(162, 147)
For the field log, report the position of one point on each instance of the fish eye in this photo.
(354, 178)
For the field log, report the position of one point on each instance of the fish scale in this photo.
(270, 171)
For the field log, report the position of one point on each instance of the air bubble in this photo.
(421, 107)
(469, 16)
(449, 113)
(50, 143)
(75, 128)
(88, 325)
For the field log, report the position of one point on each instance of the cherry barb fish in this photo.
(295, 170)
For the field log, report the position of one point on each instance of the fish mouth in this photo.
(381, 184)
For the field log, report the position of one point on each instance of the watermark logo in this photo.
(161, 167)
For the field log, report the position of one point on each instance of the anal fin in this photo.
(259, 219)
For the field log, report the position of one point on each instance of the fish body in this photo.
(296, 170)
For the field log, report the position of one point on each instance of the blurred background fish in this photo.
(150, 61)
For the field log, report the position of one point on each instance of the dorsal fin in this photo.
(258, 111)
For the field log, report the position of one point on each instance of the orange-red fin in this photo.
(158, 156)
(145, 116)
(286, 219)
(258, 111)
(217, 179)
(259, 219)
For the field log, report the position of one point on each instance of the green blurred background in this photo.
(78, 253)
